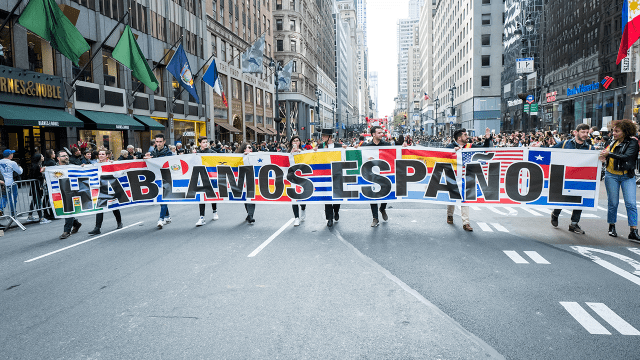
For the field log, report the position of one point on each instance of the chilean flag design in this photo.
(630, 27)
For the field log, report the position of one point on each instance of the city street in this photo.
(414, 287)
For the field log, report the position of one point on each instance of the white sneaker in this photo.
(44, 221)
(160, 223)
(31, 218)
(215, 216)
(201, 221)
(303, 215)
(296, 222)
(167, 220)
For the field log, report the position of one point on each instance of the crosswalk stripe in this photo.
(512, 211)
(485, 227)
(515, 257)
(587, 215)
(582, 316)
(534, 213)
(613, 319)
(601, 208)
(497, 211)
(476, 208)
(536, 257)
(499, 227)
(545, 210)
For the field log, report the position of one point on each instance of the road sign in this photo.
(526, 108)
(529, 99)
(524, 65)
(534, 108)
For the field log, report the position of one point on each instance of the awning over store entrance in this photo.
(227, 126)
(264, 130)
(258, 131)
(14, 115)
(149, 122)
(109, 121)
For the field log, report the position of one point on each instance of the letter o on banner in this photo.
(512, 181)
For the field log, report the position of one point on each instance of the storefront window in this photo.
(40, 55)
(87, 73)
(588, 110)
(608, 105)
(259, 97)
(597, 110)
(6, 46)
(187, 132)
(268, 100)
(578, 110)
(111, 140)
(110, 69)
(176, 88)
(620, 103)
(568, 120)
(236, 88)
(248, 93)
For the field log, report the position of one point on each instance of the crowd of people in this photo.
(618, 151)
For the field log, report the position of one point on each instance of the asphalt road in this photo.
(414, 287)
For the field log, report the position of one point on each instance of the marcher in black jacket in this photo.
(376, 140)
(205, 149)
(620, 159)
(76, 158)
(331, 211)
(35, 173)
(161, 150)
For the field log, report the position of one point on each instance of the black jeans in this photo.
(296, 210)
(374, 209)
(251, 208)
(36, 203)
(69, 223)
(203, 207)
(100, 218)
(575, 215)
(331, 211)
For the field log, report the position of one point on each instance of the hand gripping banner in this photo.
(529, 177)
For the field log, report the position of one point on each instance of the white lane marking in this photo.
(587, 215)
(82, 242)
(475, 207)
(613, 319)
(515, 257)
(499, 227)
(512, 211)
(634, 250)
(603, 209)
(270, 239)
(534, 213)
(485, 227)
(567, 212)
(582, 316)
(498, 211)
(545, 210)
(536, 257)
(588, 252)
(625, 274)
(491, 352)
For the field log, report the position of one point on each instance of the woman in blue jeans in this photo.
(620, 161)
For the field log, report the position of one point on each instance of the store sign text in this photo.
(29, 88)
(48, 123)
(551, 97)
(583, 88)
(514, 102)
(122, 127)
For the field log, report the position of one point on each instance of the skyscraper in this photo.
(414, 8)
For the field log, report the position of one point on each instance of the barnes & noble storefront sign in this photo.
(30, 88)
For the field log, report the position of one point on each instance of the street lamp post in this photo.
(318, 93)
(452, 91)
(437, 101)
(276, 68)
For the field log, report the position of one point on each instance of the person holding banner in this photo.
(295, 148)
(71, 225)
(104, 156)
(579, 142)
(461, 141)
(246, 149)
(160, 149)
(331, 211)
(377, 134)
(205, 149)
(620, 160)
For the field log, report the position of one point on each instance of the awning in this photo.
(263, 130)
(149, 122)
(258, 131)
(226, 125)
(14, 115)
(109, 121)
(271, 131)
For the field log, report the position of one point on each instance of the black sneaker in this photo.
(554, 220)
(75, 228)
(336, 217)
(634, 236)
(330, 223)
(95, 231)
(120, 225)
(385, 217)
(576, 229)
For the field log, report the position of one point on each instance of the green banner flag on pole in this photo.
(45, 19)
(128, 53)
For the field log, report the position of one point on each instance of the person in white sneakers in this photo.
(205, 149)
(295, 148)
(161, 150)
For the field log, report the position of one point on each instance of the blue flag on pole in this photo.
(181, 71)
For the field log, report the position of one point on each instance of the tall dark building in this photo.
(582, 83)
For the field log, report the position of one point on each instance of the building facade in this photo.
(468, 63)
(427, 106)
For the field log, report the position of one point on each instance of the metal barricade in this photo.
(21, 198)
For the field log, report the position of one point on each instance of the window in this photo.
(486, 60)
(293, 45)
(294, 66)
(91, 4)
(486, 2)
(158, 73)
(486, 19)
(269, 27)
(292, 5)
(292, 25)
(223, 51)
(111, 70)
(294, 86)
(112, 8)
(236, 88)
(279, 24)
(486, 40)
(485, 81)
(6, 48)
(278, 4)
(279, 45)
(87, 73)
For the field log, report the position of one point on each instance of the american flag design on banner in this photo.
(484, 157)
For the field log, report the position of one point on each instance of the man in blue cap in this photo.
(7, 168)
